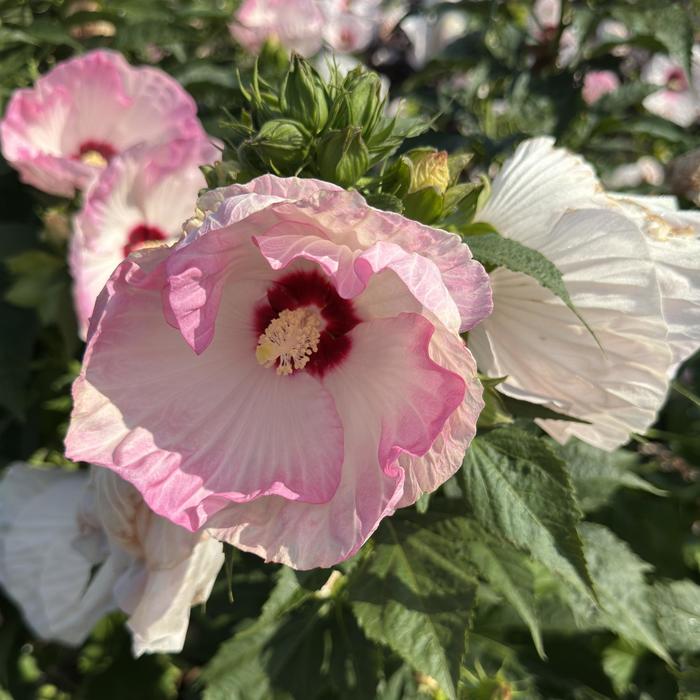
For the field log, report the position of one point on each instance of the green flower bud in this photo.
(430, 169)
(343, 157)
(359, 102)
(282, 144)
(304, 95)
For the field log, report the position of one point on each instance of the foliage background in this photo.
(447, 599)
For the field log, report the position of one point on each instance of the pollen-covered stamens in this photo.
(290, 340)
(95, 153)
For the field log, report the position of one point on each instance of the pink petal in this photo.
(445, 456)
(216, 427)
(96, 97)
(393, 400)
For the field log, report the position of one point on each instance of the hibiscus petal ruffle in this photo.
(216, 428)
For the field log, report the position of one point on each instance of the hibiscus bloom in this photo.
(63, 131)
(300, 356)
(630, 291)
(679, 99)
(57, 527)
(141, 197)
(597, 83)
(304, 25)
(296, 24)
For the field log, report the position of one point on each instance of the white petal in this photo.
(39, 566)
(535, 187)
(551, 358)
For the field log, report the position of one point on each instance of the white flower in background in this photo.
(678, 100)
(430, 33)
(646, 170)
(543, 27)
(636, 289)
(56, 527)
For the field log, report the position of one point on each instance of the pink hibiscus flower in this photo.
(140, 197)
(597, 83)
(289, 374)
(63, 131)
(679, 99)
(303, 25)
(296, 24)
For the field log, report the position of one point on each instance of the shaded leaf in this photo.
(519, 489)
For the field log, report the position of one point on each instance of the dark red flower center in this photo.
(141, 234)
(676, 80)
(95, 153)
(312, 289)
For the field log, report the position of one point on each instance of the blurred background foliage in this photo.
(286, 634)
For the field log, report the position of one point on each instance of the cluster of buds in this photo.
(336, 130)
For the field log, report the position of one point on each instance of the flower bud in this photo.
(360, 102)
(281, 143)
(343, 157)
(430, 169)
(304, 96)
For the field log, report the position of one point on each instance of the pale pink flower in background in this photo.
(304, 26)
(60, 133)
(646, 170)
(636, 299)
(297, 24)
(141, 197)
(74, 547)
(597, 83)
(289, 374)
(351, 25)
(679, 99)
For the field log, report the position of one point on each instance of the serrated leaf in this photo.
(519, 489)
(493, 250)
(414, 592)
(677, 607)
(625, 597)
(598, 474)
(246, 666)
(507, 572)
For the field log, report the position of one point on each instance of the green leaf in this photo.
(525, 409)
(507, 571)
(425, 205)
(598, 474)
(384, 201)
(678, 611)
(626, 600)
(415, 591)
(240, 668)
(494, 250)
(519, 489)
(620, 661)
